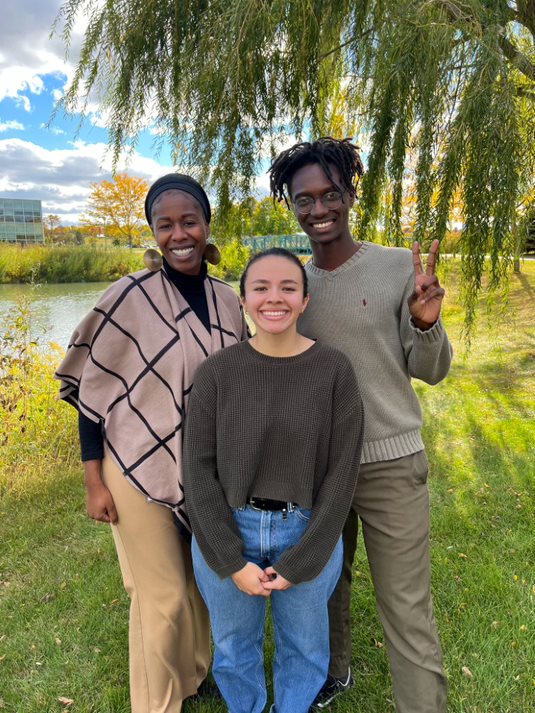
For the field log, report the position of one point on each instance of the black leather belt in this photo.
(268, 504)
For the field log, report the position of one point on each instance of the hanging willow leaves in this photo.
(450, 82)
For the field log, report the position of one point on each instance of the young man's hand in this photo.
(251, 579)
(425, 302)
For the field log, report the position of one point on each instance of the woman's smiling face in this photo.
(181, 231)
(274, 294)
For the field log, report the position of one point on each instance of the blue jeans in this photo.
(300, 619)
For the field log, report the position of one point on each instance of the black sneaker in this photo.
(331, 688)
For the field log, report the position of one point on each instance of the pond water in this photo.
(55, 309)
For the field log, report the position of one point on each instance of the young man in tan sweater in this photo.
(381, 309)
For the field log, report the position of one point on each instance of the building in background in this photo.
(21, 221)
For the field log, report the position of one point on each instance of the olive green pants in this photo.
(169, 634)
(392, 502)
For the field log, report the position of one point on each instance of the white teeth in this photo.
(181, 251)
(323, 225)
(274, 314)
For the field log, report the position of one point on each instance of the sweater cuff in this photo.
(230, 569)
(290, 574)
(435, 334)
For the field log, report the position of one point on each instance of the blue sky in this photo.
(55, 163)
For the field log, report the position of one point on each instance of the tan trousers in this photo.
(392, 502)
(169, 636)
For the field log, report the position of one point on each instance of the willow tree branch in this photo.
(350, 41)
(519, 60)
(526, 14)
(525, 93)
(459, 13)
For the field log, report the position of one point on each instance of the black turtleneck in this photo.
(192, 290)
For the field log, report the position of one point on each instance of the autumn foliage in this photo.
(116, 208)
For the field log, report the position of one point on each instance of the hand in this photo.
(276, 581)
(426, 301)
(99, 500)
(100, 505)
(251, 579)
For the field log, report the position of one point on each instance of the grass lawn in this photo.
(63, 612)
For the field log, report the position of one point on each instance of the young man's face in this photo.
(323, 224)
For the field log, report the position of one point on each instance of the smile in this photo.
(319, 226)
(182, 252)
(272, 314)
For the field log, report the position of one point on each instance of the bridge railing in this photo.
(298, 244)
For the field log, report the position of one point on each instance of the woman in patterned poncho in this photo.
(129, 370)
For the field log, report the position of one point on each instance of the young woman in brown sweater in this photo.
(271, 457)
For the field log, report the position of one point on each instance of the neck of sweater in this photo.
(191, 287)
(330, 256)
(186, 283)
(280, 345)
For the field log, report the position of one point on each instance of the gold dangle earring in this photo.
(212, 254)
(153, 260)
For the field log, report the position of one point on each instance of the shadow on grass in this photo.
(479, 437)
(487, 415)
(525, 284)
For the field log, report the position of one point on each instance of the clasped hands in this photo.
(255, 581)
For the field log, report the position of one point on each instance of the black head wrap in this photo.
(180, 182)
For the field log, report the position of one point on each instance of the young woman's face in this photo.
(274, 294)
(322, 224)
(180, 230)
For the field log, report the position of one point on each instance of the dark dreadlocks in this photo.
(326, 152)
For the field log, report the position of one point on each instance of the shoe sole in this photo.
(327, 703)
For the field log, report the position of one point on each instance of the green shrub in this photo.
(33, 422)
(66, 264)
(234, 257)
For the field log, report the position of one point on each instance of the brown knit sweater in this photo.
(287, 428)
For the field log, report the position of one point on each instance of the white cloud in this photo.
(261, 185)
(33, 72)
(28, 54)
(16, 79)
(157, 131)
(11, 126)
(53, 129)
(22, 101)
(97, 118)
(62, 178)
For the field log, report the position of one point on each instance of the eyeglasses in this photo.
(331, 200)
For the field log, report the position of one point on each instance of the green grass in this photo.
(63, 612)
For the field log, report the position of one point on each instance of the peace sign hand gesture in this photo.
(426, 300)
